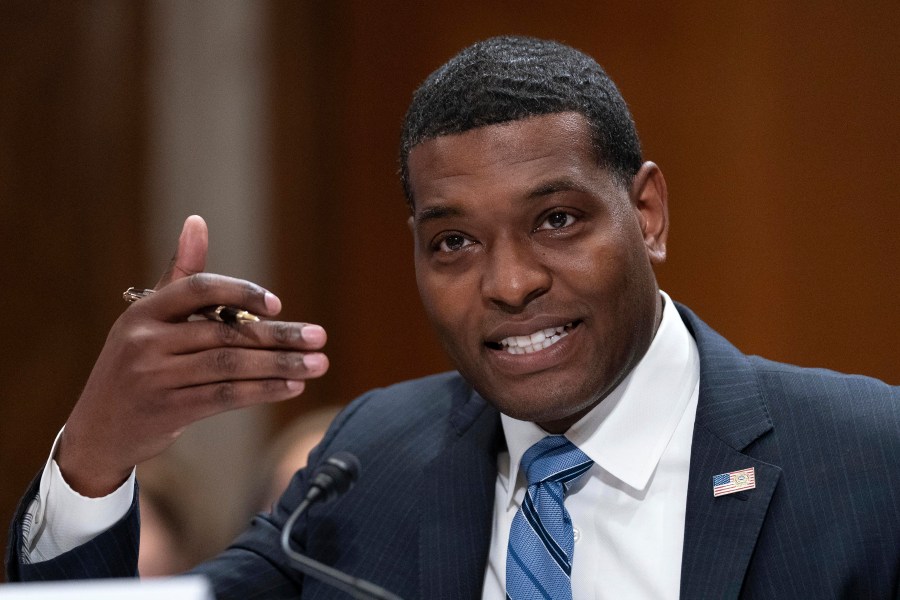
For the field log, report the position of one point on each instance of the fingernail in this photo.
(313, 334)
(294, 385)
(273, 304)
(314, 362)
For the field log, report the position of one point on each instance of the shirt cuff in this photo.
(60, 519)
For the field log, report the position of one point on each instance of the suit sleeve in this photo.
(253, 567)
(113, 553)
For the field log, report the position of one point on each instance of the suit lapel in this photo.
(721, 533)
(455, 525)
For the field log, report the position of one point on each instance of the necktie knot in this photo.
(554, 459)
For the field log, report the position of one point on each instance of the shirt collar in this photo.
(628, 431)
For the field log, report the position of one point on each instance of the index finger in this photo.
(190, 294)
(270, 335)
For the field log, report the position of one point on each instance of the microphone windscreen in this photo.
(336, 475)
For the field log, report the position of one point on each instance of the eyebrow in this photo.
(555, 186)
(545, 189)
(436, 212)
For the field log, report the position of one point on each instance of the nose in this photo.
(515, 275)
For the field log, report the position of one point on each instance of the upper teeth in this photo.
(525, 344)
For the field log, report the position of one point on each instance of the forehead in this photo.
(509, 157)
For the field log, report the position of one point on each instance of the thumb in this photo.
(190, 255)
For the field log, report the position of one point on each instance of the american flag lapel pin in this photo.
(735, 481)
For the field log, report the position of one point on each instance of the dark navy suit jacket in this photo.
(822, 522)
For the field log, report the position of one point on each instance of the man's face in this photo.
(534, 265)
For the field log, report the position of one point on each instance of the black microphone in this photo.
(334, 477)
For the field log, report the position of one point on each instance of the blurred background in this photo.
(776, 125)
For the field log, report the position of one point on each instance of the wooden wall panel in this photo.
(71, 141)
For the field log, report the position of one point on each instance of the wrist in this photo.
(86, 472)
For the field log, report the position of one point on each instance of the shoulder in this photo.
(827, 401)
(807, 401)
(447, 388)
(806, 381)
(409, 401)
(412, 415)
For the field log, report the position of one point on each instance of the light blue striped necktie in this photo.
(541, 542)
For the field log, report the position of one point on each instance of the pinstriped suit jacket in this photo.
(822, 522)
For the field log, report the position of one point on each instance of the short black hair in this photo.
(509, 78)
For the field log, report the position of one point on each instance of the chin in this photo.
(558, 406)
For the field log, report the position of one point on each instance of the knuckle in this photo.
(271, 386)
(288, 361)
(199, 283)
(252, 293)
(137, 338)
(225, 361)
(227, 334)
(284, 333)
(226, 394)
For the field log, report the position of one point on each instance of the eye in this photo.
(557, 220)
(452, 243)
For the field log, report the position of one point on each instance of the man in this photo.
(681, 468)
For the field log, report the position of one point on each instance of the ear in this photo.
(650, 199)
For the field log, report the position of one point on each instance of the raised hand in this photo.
(159, 372)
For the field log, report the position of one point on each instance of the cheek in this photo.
(613, 278)
(601, 269)
(446, 304)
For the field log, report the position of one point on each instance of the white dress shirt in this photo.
(628, 510)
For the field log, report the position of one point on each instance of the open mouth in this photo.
(537, 341)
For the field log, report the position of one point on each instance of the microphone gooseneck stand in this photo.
(334, 477)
